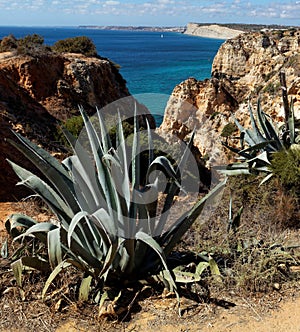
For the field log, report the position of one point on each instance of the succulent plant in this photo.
(261, 141)
(108, 225)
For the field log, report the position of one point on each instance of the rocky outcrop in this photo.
(59, 83)
(36, 92)
(211, 31)
(244, 68)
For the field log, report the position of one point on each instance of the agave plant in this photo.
(108, 225)
(261, 141)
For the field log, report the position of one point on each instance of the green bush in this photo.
(31, 45)
(8, 43)
(31, 40)
(286, 165)
(83, 45)
(27, 45)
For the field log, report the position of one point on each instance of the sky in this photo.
(146, 13)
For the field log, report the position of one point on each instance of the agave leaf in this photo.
(60, 267)
(135, 174)
(238, 151)
(104, 221)
(50, 168)
(18, 220)
(32, 262)
(258, 135)
(185, 277)
(251, 137)
(266, 178)
(141, 253)
(268, 129)
(262, 121)
(233, 172)
(148, 197)
(54, 247)
(141, 236)
(164, 164)
(102, 171)
(84, 289)
(121, 148)
(201, 267)
(133, 210)
(53, 200)
(256, 147)
(135, 158)
(40, 229)
(104, 297)
(248, 135)
(105, 138)
(150, 144)
(111, 254)
(89, 235)
(234, 169)
(214, 268)
(17, 268)
(291, 124)
(278, 144)
(87, 167)
(122, 258)
(261, 157)
(43, 227)
(87, 190)
(105, 178)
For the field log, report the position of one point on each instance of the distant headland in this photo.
(207, 30)
(134, 28)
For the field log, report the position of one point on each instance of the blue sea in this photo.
(151, 62)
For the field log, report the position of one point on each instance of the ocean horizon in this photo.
(152, 63)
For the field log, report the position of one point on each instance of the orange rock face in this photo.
(37, 92)
(244, 68)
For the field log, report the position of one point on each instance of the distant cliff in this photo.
(245, 67)
(38, 91)
(211, 31)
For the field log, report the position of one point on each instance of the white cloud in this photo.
(181, 11)
(112, 3)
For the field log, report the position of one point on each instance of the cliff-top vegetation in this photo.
(34, 45)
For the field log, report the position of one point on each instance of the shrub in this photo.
(286, 165)
(82, 44)
(8, 43)
(74, 125)
(26, 45)
(31, 40)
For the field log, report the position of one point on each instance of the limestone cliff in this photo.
(245, 67)
(37, 91)
(211, 31)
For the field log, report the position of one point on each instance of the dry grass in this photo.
(260, 260)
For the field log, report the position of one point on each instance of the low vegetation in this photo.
(83, 45)
(34, 45)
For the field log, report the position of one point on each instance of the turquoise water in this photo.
(151, 62)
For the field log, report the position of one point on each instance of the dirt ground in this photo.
(275, 311)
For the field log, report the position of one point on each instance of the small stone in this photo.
(276, 286)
